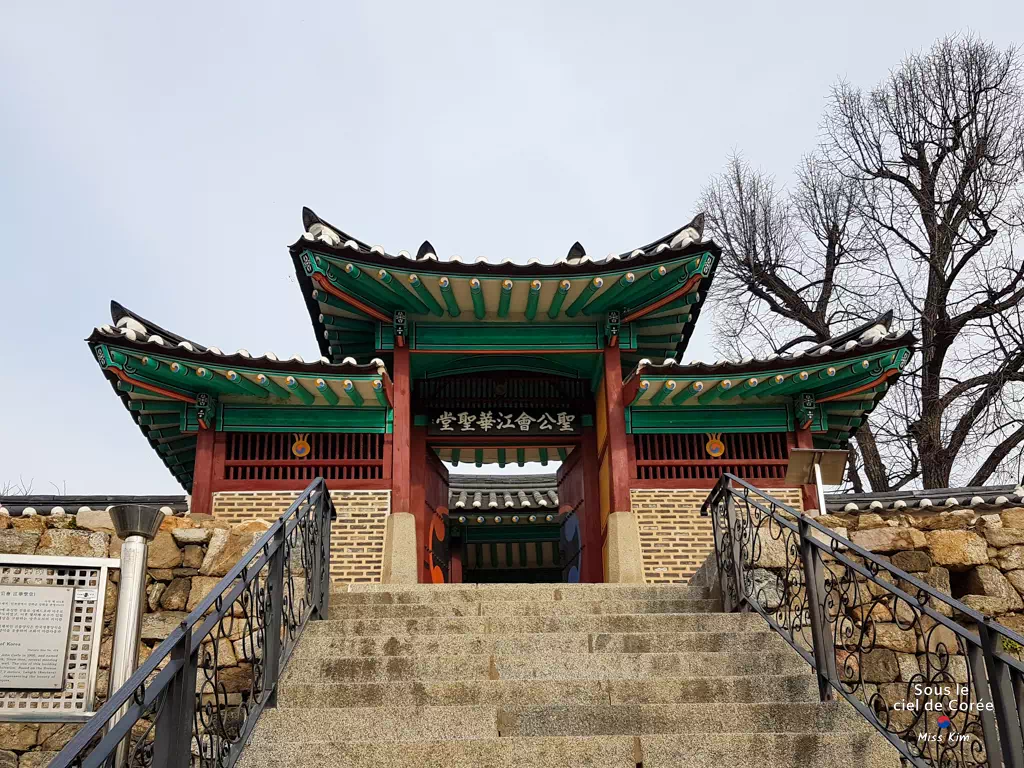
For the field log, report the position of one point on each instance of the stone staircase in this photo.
(550, 676)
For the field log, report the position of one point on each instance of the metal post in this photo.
(818, 486)
(175, 716)
(136, 525)
(824, 649)
(1002, 697)
(738, 560)
(315, 530)
(273, 627)
(979, 676)
(326, 514)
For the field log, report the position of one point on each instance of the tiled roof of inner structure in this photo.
(846, 375)
(47, 505)
(159, 375)
(349, 285)
(498, 492)
(982, 499)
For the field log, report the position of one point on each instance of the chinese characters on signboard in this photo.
(511, 423)
(34, 627)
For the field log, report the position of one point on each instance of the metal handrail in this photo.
(848, 613)
(270, 594)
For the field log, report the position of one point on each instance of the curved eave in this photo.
(685, 329)
(118, 312)
(857, 412)
(313, 307)
(129, 340)
(650, 255)
(847, 384)
(736, 369)
(360, 290)
(184, 446)
(232, 378)
(162, 405)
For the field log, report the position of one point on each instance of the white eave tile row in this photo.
(324, 234)
(915, 503)
(132, 330)
(870, 338)
(512, 499)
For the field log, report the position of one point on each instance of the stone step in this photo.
(434, 625)
(505, 693)
(388, 724)
(542, 666)
(549, 642)
(519, 608)
(642, 719)
(737, 750)
(469, 593)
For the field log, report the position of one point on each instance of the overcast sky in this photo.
(160, 155)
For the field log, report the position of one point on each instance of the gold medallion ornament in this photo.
(714, 446)
(301, 448)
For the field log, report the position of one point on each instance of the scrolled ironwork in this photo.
(941, 682)
(196, 698)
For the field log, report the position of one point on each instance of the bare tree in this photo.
(24, 487)
(19, 488)
(916, 199)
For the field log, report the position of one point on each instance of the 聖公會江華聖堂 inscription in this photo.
(504, 423)
(34, 627)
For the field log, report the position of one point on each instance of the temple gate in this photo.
(427, 366)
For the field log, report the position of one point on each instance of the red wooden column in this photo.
(616, 419)
(419, 503)
(202, 473)
(590, 529)
(809, 494)
(401, 464)
(455, 565)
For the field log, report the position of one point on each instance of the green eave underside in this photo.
(582, 365)
(163, 392)
(359, 296)
(163, 422)
(242, 385)
(774, 403)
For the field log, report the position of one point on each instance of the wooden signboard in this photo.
(501, 422)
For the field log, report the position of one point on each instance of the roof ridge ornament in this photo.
(691, 233)
(426, 251)
(576, 255)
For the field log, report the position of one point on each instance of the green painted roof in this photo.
(353, 291)
(846, 376)
(169, 383)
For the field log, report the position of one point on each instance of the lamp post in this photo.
(816, 466)
(136, 525)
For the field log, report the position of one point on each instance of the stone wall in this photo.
(976, 557)
(357, 535)
(187, 558)
(674, 538)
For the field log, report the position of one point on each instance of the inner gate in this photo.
(490, 521)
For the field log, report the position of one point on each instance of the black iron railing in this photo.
(942, 682)
(187, 708)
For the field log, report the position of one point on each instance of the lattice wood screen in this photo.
(331, 455)
(753, 456)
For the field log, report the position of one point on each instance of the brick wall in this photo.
(674, 538)
(357, 536)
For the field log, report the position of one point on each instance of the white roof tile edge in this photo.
(141, 337)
